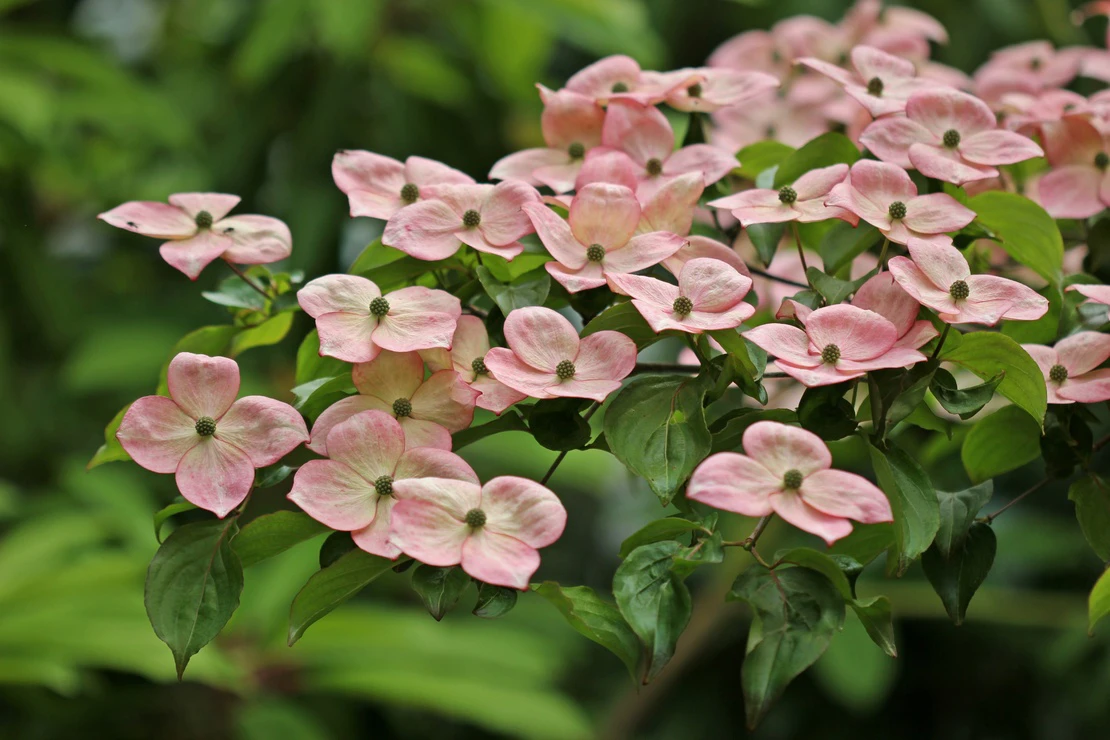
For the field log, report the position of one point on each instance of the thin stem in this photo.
(1032, 489)
(882, 254)
(943, 336)
(1100, 444)
(242, 275)
(776, 278)
(775, 375)
(801, 252)
(558, 460)
(664, 367)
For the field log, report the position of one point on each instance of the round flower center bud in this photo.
(654, 167)
(875, 87)
(565, 370)
(410, 193)
(475, 518)
(1035, 63)
(402, 407)
(379, 307)
(788, 195)
(206, 426)
(792, 479)
(959, 290)
(1057, 373)
(1102, 159)
(830, 354)
(479, 366)
(595, 253)
(619, 87)
(471, 219)
(951, 138)
(694, 91)
(383, 486)
(576, 150)
(683, 305)
(204, 220)
(897, 209)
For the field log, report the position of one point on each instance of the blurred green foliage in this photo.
(103, 101)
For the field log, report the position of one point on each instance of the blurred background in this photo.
(103, 101)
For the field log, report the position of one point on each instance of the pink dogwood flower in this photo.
(571, 125)
(709, 295)
(718, 88)
(1093, 293)
(949, 135)
(429, 411)
(883, 295)
(546, 358)
(486, 217)
(794, 118)
(788, 471)
(492, 531)
(619, 77)
(198, 230)
(839, 343)
(1069, 367)
(378, 186)
(938, 276)
(884, 196)
(882, 83)
(704, 247)
(1029, 68)
(1078, 186)
(210, 441)
(646, 137)
(467, 358)
(671, 208)
(356, 321)
(804, 201)
(353, 491)
(598, 237)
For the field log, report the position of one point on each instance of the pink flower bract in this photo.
(379, 186)
(210, 441)
(467, 358)
(803, 201)
(1069, 367)
(882, 82)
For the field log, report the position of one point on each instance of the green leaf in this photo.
(988, 353)
(866, 542)
(661, 529)
(834, 289)
(494, 601)
(1098, 603)
(957, 513)
(1045, 329)
(273, 534)
(827, 565)
(825, 412)
(207, 340)
(999, 443)
(762, 155)
(330, 587)
(271, 475)
(827, 149)
(1091, 497)
(765, 238)
(193, 586)
(506, 271)
(956, 578)
(271, 331)
(335, 546)
(530, 289)
(374, 256)
(594, 619)
(163, 515)
(728, 431)
(111, 450)
(557, 424)
(509, 421)
(311, 365)
(1024, 229)
(313, 397)
(656, 426)
(796, 613)
(749, 362)
(654, 600)
(877, 618)
(623, 317)
(843, 242)
(912, 499)
(966, 402)
(235, 293)
(439, 588)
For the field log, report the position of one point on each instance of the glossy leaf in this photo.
(958, 510)
(966, 402)
(956, 578)
(311, 365)
(1091, 497)
(878, 619)
(163, 515)
(987, 354)
(271, 331)
(1098, 603)
(834, 289)
(667, 528)
(912, 499)
(439, 588)
(1023, 229)
(111, 450)
(765, 238)
(530, 289)
(843, 243)
(999, 443)
(494, 601)
(623, 317)
(595, 619)
(762, 155)
(557, 424)
(274, 533)
(823, 151)
(509, 421)
(825, 412)
(330, 587)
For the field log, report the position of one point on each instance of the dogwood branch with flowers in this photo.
(917, 208)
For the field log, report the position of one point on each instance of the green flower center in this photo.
(682, 305)
(379, 307)
(694, 91)
(654, 167)
(1102, 159)
(1058, 373)
(565, 370)
(951, 138)
(204, 220)
(383, 486)
(576, 150)
(479, 366)
(619, 87)
(402, 407)
(792, 480)
(959, 290)
(875, 87)
(830, 354)
(410, 193)
(595, 253)
(897, 210)
(206, 426)
(1035, 63)
(471, 219)
(475, 518)
(788, 195)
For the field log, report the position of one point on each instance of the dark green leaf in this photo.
(439, 588)
(654, 600)
(988, 353)
(963, 401)
(270, 476)
(1091, 497)
(844, 242)
(623, 317)
(957, 512)
(595, 619)
(824, 151)
(1098, 603)
(762, 155)
(834, 289)
(912, 499)
(273, 534)
(375, 255)
(163, 515)
(825, 412)
(530, 289)
(765, 238)
(749, 362)
(494, 601)
(956, 579)
(193, 586)
(999, 443)
(866, 542)
(336, 546)
(824, 564)
(330, 587)
(877, 618)
(233, 292)
(728, 431)
(111, 450)
(661, 529)
(507, 271)
(1024, 229)
(557, 424)
(509, 421)
(313, 397)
